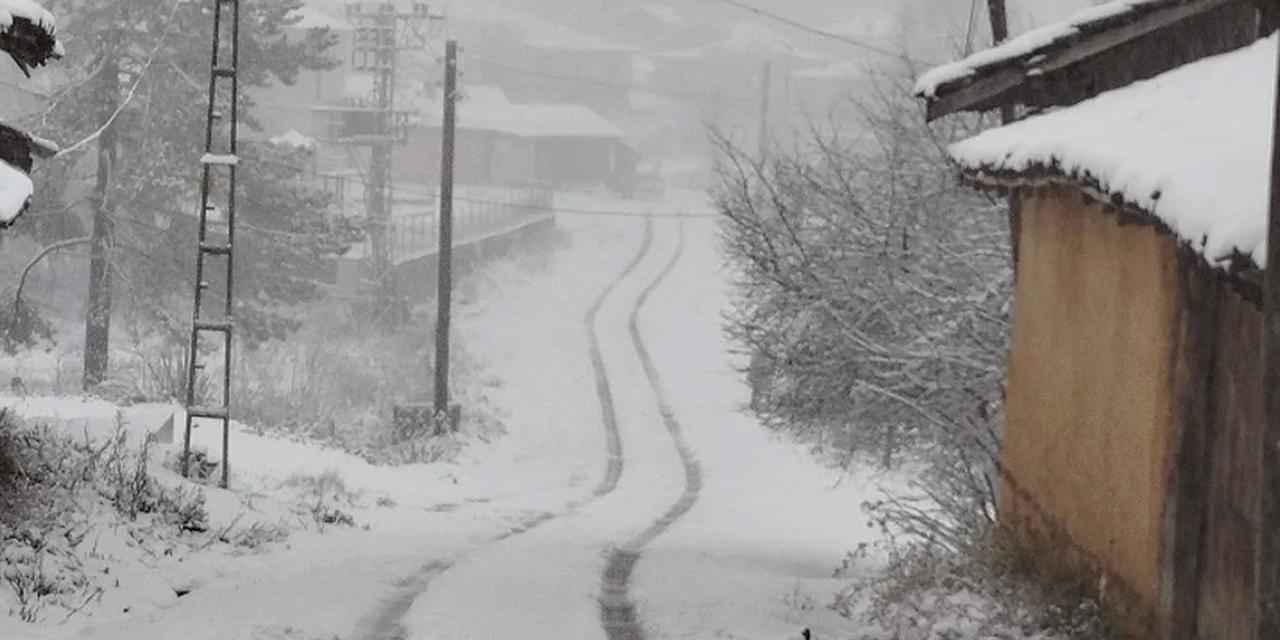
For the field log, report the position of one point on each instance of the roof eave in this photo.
(1001, 83)
(1237, 265)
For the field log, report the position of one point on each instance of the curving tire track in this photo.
(385, 622)
(617, 610)
(604, 391)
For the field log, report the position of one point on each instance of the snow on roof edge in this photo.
(1161, 146)
(928, 84)
(294, 138)
(15, 193)
(37, 14)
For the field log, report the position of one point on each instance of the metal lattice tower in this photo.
(216, 230)
(382, 33)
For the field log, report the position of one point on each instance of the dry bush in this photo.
(327, 497)
(993, 588)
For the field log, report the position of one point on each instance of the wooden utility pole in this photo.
(1268, 538)
(766, 82)
(444, 287)
(97, 325)
(1000, 33)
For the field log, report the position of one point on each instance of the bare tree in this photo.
(874, 296)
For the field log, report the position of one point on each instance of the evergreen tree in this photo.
(136, 100)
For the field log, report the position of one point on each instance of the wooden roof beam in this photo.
(996, 85)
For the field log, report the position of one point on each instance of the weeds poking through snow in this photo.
(328, 496)
(54, 491)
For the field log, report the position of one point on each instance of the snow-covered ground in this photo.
(510, 539)
(755, 556)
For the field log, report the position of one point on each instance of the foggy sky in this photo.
(921, 19)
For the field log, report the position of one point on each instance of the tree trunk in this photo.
(97, 325)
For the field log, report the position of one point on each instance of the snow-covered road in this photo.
(523, 543)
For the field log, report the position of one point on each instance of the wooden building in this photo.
(539, 61)
(563, 146)
(1140, 175)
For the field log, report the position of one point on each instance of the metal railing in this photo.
(478, 212)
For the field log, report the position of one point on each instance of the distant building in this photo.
(535, 61)
(564, 146)
(282, 107)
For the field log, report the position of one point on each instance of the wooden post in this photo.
(1268, 538)
(766, 85)
(1000, 33)
(444, 272)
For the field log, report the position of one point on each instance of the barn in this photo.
(1139, 175)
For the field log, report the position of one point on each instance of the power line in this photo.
(867, 46)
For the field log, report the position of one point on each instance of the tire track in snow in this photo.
(604, 391)
(385, 622)
(617, 610)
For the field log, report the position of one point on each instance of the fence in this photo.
(478, 212)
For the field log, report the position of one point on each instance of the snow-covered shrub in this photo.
(183, 507)
(327, 496)
(10, 464)
(38, 571)
(154, 367)
(30, 467)
(258, 534)
(873, 299)
(339, 383)
(201, 468)
(21, 326)
(994, 589)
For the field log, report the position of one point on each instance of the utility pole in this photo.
(97, 325)
(444, 286)
(766, 81)
(1000, 33)
(381, 34)
(1267, 540)
(217, 172)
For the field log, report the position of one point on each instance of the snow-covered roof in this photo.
(313, 18)
(567, 121)
(38, 15)
(15, 192)
(293, 138)
(1032, 41)
(43, 20)
(486, 108)
(1191, 147)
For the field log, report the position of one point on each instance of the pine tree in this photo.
(136, 99)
